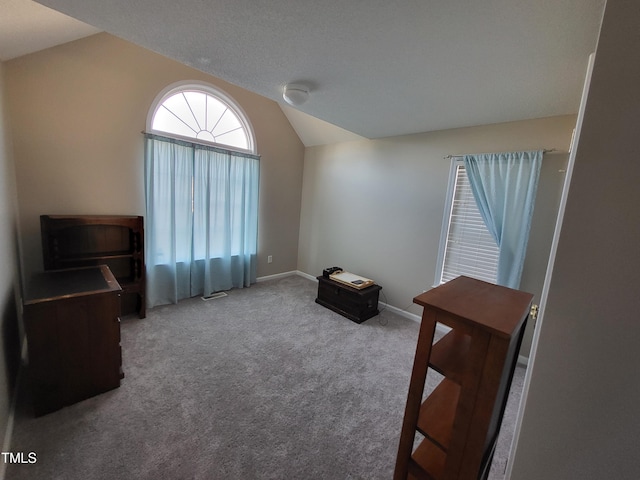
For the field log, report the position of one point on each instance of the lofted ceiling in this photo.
(376, 68)
(27, 27)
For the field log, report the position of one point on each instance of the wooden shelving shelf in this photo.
(460, 419)
(70, 241)
(449, 355)
(427, 462)
(438, 412)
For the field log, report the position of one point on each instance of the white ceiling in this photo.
(27, 27)
(376, 67)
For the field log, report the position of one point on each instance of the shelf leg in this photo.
(414, 398)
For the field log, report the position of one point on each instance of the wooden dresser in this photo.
(72, 326)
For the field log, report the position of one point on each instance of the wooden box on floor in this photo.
(460, 419)
(355, 304)
(72, 327)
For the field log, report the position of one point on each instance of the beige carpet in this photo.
(261, 384)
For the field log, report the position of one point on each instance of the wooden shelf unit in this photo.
(89, 240)
(460, 420)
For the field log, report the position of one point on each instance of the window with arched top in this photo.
(202, 178)
(202, 113)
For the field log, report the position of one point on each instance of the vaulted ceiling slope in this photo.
(376, 67)
(27, 27)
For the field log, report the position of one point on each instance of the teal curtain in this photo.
(202, 219)
(504, 186)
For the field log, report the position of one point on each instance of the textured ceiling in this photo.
(376, 67)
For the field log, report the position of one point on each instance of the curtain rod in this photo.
(189, 143)
(448, 157)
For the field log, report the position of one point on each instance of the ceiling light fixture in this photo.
(295, 94)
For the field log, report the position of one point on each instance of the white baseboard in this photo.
(306, 275)
(276, 276)
(440, 328)
(402, 313)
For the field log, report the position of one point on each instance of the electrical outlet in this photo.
(270, 259)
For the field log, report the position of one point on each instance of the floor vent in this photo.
(213, 296)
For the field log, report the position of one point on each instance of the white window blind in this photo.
(469, 249)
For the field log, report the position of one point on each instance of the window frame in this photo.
(216, 92)
(446, 222)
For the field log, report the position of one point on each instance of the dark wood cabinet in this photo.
(460, 420)
(72, 327)
(355, 304)
(87, 240)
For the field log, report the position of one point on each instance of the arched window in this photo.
(202, 179)
(203, 113)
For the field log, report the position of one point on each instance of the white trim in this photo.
(440, 328)
(204, 143)
(401, 312)
(446, 219)
(275, 276)
(549, 274)
(212, 90)
(306, 275)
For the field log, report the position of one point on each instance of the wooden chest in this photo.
(356, 305)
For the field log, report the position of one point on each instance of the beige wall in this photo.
(77, 111)
(581, 413)
(375, 207)
(9, 278)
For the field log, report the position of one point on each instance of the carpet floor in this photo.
(261, 384)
